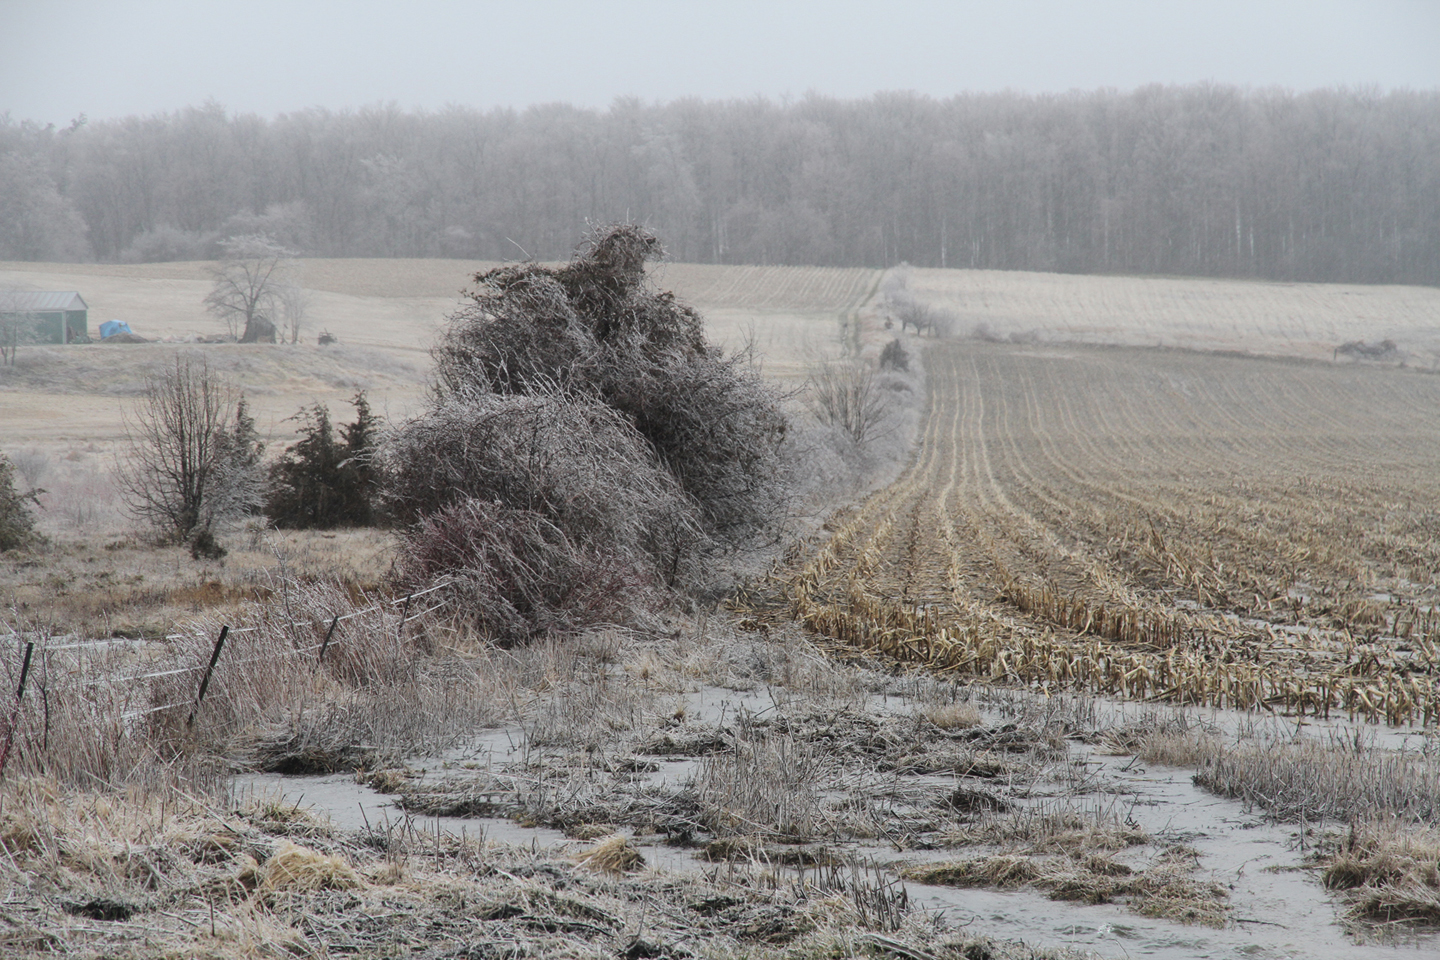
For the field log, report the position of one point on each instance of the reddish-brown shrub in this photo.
(515, 574)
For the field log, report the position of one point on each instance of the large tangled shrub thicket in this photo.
(581, 398)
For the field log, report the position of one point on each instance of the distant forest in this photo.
(1338, 184)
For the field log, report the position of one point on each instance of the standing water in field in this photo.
(1246, 876)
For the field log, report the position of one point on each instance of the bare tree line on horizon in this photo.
(1209, 180)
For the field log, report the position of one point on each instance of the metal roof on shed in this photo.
(35, 301)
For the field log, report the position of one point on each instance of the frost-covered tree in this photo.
(251, 283)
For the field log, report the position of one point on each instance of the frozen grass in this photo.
(1385, 863)
(81, 499)
(768, 784)
(1339, 777)
(1387, 871)
(384, 689)
(1056, 827)
(114, 584)
(1067, 850)
(132, 874)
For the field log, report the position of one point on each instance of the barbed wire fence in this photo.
(77, 679)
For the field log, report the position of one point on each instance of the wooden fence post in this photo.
(15, 710)
(205, 681)
(320, 658)
(404, 612)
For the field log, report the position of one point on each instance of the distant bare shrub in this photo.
(847, 395)
(894, 357)
(32, 464)
(193, 458)
(81, 496)
(1384, 350)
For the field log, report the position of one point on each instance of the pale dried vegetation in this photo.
(1310, 779)
(1386, 870)
(135, 876)
(1069, 852)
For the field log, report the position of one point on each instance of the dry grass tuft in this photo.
(1388, 871)
(768, 783)
(1165, 889)
(293, 868)
(614, 854)
(1049, 829)
(392, 780)
(953, 716)
(1066, 853)
(1168, 890)
(1178, 749)
(1003, 871)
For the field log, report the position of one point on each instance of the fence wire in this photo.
(334, 641)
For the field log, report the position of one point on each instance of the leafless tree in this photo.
(249, 283)
(187, 468)
(9, 339)
(847, 395)
(16, 325)
(293, 302)
(33, 464)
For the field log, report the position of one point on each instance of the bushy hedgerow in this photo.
(513, 572)
(577, 463)
(583, 395)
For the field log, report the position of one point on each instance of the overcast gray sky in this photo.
(109, 58)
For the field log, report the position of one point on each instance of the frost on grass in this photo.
(86, 874)
(1386, 871)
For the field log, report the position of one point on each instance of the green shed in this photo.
(45, 316)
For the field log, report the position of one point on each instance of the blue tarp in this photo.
(111, 327)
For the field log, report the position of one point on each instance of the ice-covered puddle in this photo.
(1277, 907)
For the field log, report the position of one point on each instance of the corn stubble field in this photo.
(926, 733)
(1155, 525)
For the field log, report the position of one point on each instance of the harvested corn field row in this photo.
(1202, 529)
(1319, 321)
